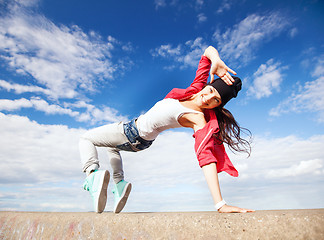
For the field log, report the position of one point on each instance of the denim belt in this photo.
(136, 143)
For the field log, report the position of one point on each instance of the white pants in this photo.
(109, 136)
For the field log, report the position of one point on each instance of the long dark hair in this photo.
(230, 132)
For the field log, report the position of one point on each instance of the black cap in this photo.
(227, 92)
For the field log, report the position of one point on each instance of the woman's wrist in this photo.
(220, 204)
(212, 54)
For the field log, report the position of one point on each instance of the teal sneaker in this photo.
(97, 183)
(121, 193)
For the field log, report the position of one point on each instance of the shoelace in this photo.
(86, 186)
(115, 192)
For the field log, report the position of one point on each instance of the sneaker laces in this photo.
(85, 185)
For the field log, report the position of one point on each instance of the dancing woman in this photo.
(200, 107)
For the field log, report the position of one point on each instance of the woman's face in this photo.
(209, 98)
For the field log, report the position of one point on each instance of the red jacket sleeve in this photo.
(199, 82)
(202, 75)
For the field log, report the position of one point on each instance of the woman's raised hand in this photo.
(219, 68)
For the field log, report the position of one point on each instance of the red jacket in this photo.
(208, 148)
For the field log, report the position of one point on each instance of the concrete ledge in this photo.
(281, 224)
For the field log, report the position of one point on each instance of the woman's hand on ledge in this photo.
(232, 209)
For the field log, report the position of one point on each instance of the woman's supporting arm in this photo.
(211, 176)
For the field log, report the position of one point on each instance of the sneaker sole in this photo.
(102, 200)
(122, 202)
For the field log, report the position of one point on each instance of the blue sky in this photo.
(67, 66)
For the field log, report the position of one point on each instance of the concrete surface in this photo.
(282, 224)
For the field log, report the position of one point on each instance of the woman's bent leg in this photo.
(116, 164)
(89, 155)
(109, 136)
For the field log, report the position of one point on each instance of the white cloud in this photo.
(36, 103)
(41, 162)
(12, 105)
(196, 49)
(19, 88)
(303, 168)
(282, 173)
(44, 157)
(64, 59)
(32, 153)
(159, 3)
(201, 18)
(92, 114)
(167, 51)
(224, 6)
(309, 98)
(293, 32)
(244, 38)
(319, 67)
(199, 3)
(196, 4)
(25, 3)
(57, 61)
(187, 55)
(266, 80)
(277, 157)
